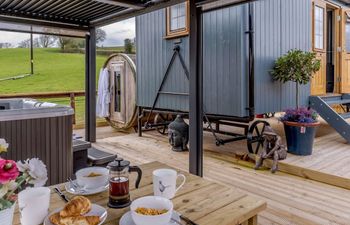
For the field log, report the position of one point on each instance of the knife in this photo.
(187, 220)
(61, 194)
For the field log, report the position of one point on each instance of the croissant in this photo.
(78, 206)
(78, 220)
(56, 219)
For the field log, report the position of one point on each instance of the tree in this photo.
(128, 46)
(64, 42)
(46, 41)
(100, 35)
(296, 66)
(5, 45)
(24, 44)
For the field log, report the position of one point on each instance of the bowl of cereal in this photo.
(151, 210)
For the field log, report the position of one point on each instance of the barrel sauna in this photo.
(122, 72)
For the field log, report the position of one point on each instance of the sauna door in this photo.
(117, 73)
(318, 82)
(345, 51)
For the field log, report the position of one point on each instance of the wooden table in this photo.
(204, 202)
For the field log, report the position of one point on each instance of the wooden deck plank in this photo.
(290, 199)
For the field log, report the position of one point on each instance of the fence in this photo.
(76, 99)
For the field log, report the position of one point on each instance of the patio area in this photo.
(290, 199)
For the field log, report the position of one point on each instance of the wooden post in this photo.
(72, 104)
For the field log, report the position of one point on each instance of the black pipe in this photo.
(251, 62)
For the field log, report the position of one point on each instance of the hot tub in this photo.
(39, 129)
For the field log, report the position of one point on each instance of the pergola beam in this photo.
(44, 23)
(130, 13)
(123, 3)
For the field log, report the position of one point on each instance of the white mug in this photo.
(164, 182)
(34, 205)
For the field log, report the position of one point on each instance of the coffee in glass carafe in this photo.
(119, 196)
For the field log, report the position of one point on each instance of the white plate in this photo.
(70, 189)
(96, 210)
(127, 219)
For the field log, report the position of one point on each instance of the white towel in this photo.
(103, 94)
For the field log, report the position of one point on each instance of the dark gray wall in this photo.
(280, 25)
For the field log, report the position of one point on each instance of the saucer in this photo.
(96, 210)
(127, 219)
(86, 191)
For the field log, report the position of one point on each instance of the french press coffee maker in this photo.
(119, 169)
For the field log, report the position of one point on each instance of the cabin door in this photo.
(345, 51)
(319, 15)
(117, 71)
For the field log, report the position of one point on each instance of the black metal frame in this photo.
(90, 86)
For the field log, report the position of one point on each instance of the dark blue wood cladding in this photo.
(280, 25)
(153, 55)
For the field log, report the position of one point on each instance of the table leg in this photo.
(253, 220)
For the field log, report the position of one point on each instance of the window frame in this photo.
(316, 5)
(179, 32)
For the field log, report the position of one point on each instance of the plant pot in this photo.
(6, 215)
(300, 137)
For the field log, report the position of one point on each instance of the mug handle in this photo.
(183, 182)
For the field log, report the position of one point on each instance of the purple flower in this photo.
(300, 115)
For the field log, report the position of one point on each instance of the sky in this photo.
(116, 33)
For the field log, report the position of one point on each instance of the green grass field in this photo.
(53, 72)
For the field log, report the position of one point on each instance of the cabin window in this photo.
(347, 32)
(177, 20)
(319, 27)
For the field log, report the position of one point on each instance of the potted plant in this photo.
(300, 124)
(15, 176)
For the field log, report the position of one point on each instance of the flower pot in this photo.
(6, 215)
(300, 137)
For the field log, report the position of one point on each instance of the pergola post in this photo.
(196, 91)
(90, 86)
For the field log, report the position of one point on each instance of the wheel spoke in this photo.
(257, 131)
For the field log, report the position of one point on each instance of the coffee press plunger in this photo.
(119, 169)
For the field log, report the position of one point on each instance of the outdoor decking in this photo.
(291, 199)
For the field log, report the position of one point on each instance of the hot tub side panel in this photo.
(279, 26)
(224, 62)
(49, 139)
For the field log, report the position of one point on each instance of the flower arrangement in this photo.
(300, 115)
(15, 176)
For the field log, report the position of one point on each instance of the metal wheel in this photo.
(163, 118)
(255, 139)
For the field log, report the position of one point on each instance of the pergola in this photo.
(79, 18)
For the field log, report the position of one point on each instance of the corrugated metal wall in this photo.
(224, 67)
(279, 26)
(153, 55)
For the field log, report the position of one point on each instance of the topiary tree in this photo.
(297, 66)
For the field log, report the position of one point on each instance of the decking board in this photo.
(291, 199)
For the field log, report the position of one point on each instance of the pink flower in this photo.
(8, 171)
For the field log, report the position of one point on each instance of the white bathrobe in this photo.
(103, 94)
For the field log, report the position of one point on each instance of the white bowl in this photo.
(92, 182)
(155, 202)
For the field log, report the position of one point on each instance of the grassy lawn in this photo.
(53, 72)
